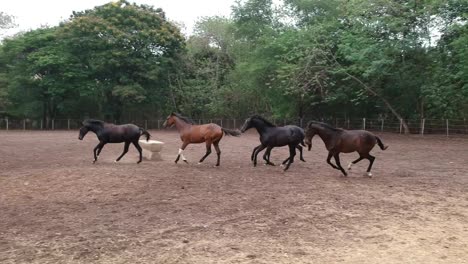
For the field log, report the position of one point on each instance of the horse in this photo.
(272, 136)
(339, 140)
(191, 133)
(110, 133)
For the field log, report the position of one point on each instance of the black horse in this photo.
(272, 136)
(110, 133)
(339, 140)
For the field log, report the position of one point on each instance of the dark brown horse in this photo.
(339, 140)
(191, 133)
(110, 133)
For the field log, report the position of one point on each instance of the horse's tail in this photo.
(144, 132)
(381, 145)
(231, 132)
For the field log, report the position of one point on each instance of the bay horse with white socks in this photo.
(191, 133)
(110, 133)
(339, 140)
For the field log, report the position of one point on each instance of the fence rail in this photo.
(422, 126)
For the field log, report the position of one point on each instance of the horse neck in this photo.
(326, 134)
(181, 125)
(95, 129)
(261, 127)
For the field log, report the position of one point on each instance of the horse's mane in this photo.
(93, 122)
(183, 118)
(268, 123)
(324, 125)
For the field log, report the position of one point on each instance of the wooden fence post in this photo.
(401, 124)
(364, 123)
(423, 123)
(68, 123)
(381, 125)
(447, 125)
(53, 124)
(6, 120)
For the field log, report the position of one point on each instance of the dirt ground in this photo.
(57, 207)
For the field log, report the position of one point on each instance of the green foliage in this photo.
(309, 58)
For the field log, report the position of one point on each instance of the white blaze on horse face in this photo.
(182, 155)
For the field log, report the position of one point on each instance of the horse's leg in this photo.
(218, 151)
(266, 156)
(371, 162)
(98, 146)
(262, 147)
(253, 152)
(356, 161)
(208, 151)
(330, 155)
(292, 153)
(99, 150)
(127, 144)
(299, 147)
(138, 147)
(184, 145)
(284, 162)
(338, 163)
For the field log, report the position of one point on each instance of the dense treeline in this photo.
(321, 58)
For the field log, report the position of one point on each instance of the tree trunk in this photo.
(387, 104)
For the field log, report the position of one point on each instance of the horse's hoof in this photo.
(186, 161)
(368, 174)
(303, 160)
(199, 163)
(94, 161)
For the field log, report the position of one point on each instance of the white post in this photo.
(221, 122)
(401, 124)
(422, 125)
(6, 120)
(364, 123)
(158, 123)
(381, 125)
(447, 123)
(68, 124)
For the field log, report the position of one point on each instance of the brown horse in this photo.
(339, 140)
(191, 133)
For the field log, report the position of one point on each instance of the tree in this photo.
(127, 50)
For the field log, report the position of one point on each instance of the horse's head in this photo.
(83, 131)
(247, 125)
(170, 121)
(309, 134)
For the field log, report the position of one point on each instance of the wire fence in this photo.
(420, 126)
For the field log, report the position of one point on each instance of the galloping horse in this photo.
(110, 133)
(272, 136)
(191, 133)
(339, 140)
